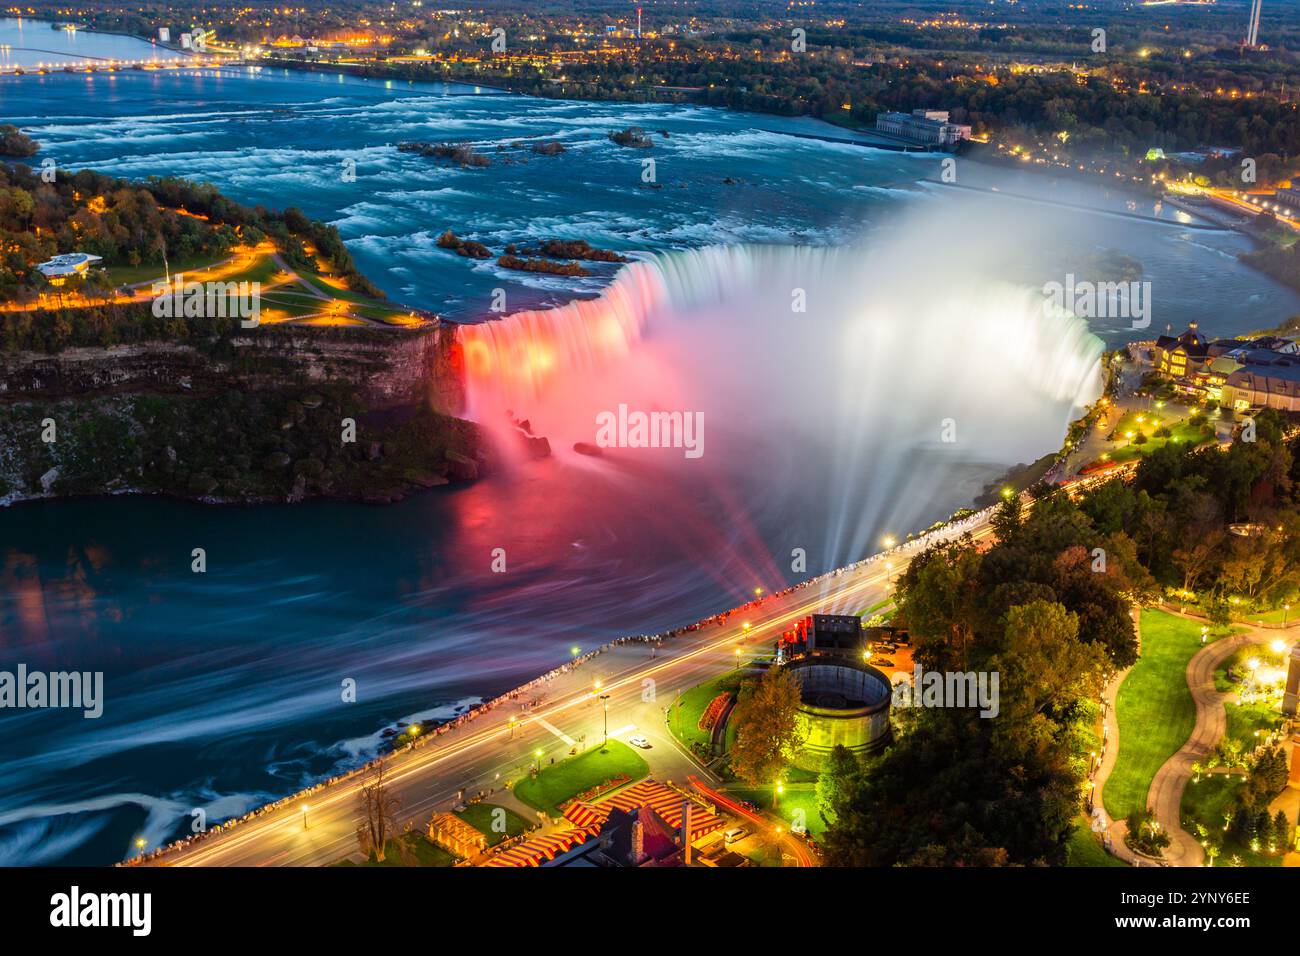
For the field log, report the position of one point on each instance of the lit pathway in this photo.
(1166, 793)
(1115, 829)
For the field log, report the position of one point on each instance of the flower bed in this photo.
(714, 710)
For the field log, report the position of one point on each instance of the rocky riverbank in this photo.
(277, 415)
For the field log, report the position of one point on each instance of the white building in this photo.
(60, 268)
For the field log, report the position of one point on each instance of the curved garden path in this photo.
(1166, 794)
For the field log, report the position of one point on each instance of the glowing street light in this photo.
(604, 699)
(575, 650)
(1278, 646)
(888, 541)
(140, 845)
(305, 808)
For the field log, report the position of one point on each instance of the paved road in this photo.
(487, 752)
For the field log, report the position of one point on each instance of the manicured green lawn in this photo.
(571, 776)
(1154, 708)
(1206, 802)
(1276, 616)
(1084, 849)
(481, 815)
(684, 721)
(791, 803)
(426, 853)
(1245, 719)
(130, 275)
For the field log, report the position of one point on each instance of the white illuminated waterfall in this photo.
(876, 381)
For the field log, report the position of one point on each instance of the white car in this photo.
(639, 741)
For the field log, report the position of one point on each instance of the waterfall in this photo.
(844, 393)
(515, 360)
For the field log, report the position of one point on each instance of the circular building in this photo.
(842, 702)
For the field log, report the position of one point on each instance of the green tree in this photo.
(767, 727)
(833, 784)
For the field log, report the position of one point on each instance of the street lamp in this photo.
(538, 754)
(140, 845)
(305, 808)
(604, 699)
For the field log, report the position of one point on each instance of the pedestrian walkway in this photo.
(1113, 830)
(1166, 794)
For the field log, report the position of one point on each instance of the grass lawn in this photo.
(1276, 616)
(360, 304)
(685, 717)
(130, 275)
(481, 815)
(1084, 849)
(1154, 708)
(1182, 433)
(1245, 719)
(426, 853)
(571, 776)
(262, 269)
(803, 802)
(877, 607)
(1240, 663)
(1206, 802)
